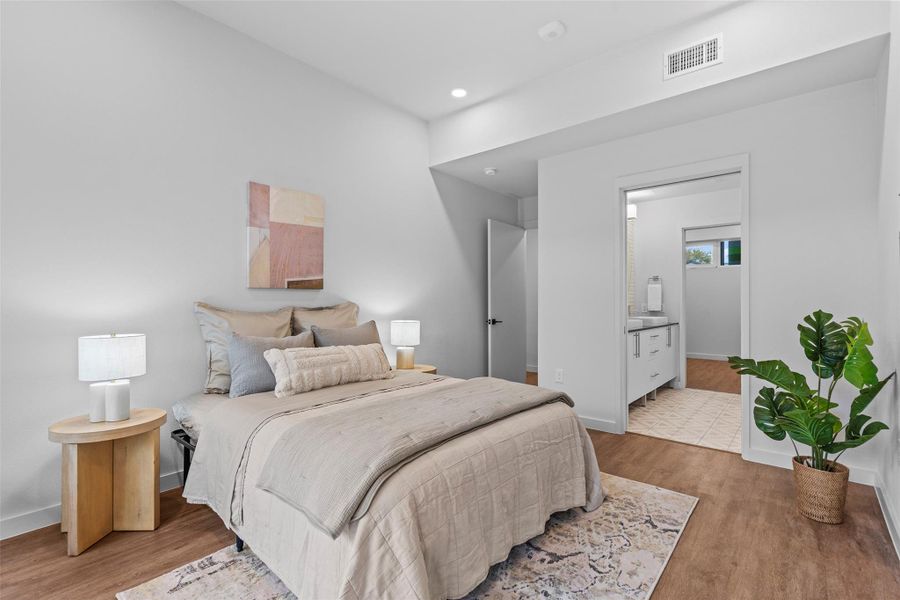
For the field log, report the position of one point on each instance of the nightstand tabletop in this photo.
(80, 430)
(423, 368)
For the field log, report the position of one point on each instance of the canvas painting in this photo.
(285, 238)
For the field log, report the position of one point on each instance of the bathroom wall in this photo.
(658, 251)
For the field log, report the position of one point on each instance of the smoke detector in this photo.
(490, 171)
(552, 31)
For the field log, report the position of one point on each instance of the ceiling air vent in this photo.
(694, 57)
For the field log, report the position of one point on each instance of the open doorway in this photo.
(683, 287)
(513, 295)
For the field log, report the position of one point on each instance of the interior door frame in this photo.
(738, 163)
(682, 316)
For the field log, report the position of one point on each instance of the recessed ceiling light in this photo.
(490, 171)
(458, 93)
(552, 31)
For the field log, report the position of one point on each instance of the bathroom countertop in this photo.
(646, 327)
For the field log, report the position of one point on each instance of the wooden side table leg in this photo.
(64, 504)
(136, 482)
(89, 493)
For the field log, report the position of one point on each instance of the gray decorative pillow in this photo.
(250, 373)
(217, 325)
(361, 335)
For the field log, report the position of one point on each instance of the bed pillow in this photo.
(250, 373)
(299, 370)
(367, 333)
(332, 317)
(218, 324)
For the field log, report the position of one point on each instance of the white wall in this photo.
(886, 329)
(531, 298)
(712, 325)
(813, 176)
(528, 218)
(757, 36)
(657, 239)
(528, 212)
(130, 131)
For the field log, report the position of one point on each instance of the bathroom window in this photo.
(712, 253)
(700, 254)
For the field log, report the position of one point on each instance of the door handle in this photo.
(493, 321)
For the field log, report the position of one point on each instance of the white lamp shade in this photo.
(116, 356)
(405, 333)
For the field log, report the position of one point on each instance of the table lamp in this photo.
(110, 360)
(405, 335)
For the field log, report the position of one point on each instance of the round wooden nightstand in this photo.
(110, 475)
(430, 369)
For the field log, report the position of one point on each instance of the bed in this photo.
(434, 524)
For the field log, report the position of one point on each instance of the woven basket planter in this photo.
(821, 494)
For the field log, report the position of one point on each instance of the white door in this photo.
(506, 316)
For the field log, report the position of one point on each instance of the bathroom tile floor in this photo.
(699, 417)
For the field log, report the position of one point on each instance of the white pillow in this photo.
(299, 370)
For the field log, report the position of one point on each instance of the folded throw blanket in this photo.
(330, 466)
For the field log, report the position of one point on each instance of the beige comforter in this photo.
(433, 528)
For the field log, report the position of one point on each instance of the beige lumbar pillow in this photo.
(327, 317)
(299, 370)
(217, 326)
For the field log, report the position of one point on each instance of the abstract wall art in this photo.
(285, 238)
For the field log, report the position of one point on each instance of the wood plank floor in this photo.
(713, 375)
(745, 539)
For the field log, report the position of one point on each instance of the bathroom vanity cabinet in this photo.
(652, 359)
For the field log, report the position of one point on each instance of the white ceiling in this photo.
(411, 54)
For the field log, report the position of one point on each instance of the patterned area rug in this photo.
(616, 552)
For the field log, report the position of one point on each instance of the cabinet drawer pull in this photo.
(654, 351)
(655, 374)
(654, 336)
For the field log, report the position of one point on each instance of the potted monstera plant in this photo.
(802, 411)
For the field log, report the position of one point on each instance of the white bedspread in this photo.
(435, 526)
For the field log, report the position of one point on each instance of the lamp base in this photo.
(118, 400)
(406, 357)
(98, 402)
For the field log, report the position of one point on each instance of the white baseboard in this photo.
(43, 517)
(783, 460)
(605, 425)
(531, 368)
(891, 519)
(721, 357)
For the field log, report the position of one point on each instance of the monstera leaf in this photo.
(769, 406)
(855, 435)
(807, 429)
(824, 342)
(859, 430)
(775, 372)
(859, 368)
(866, 395)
